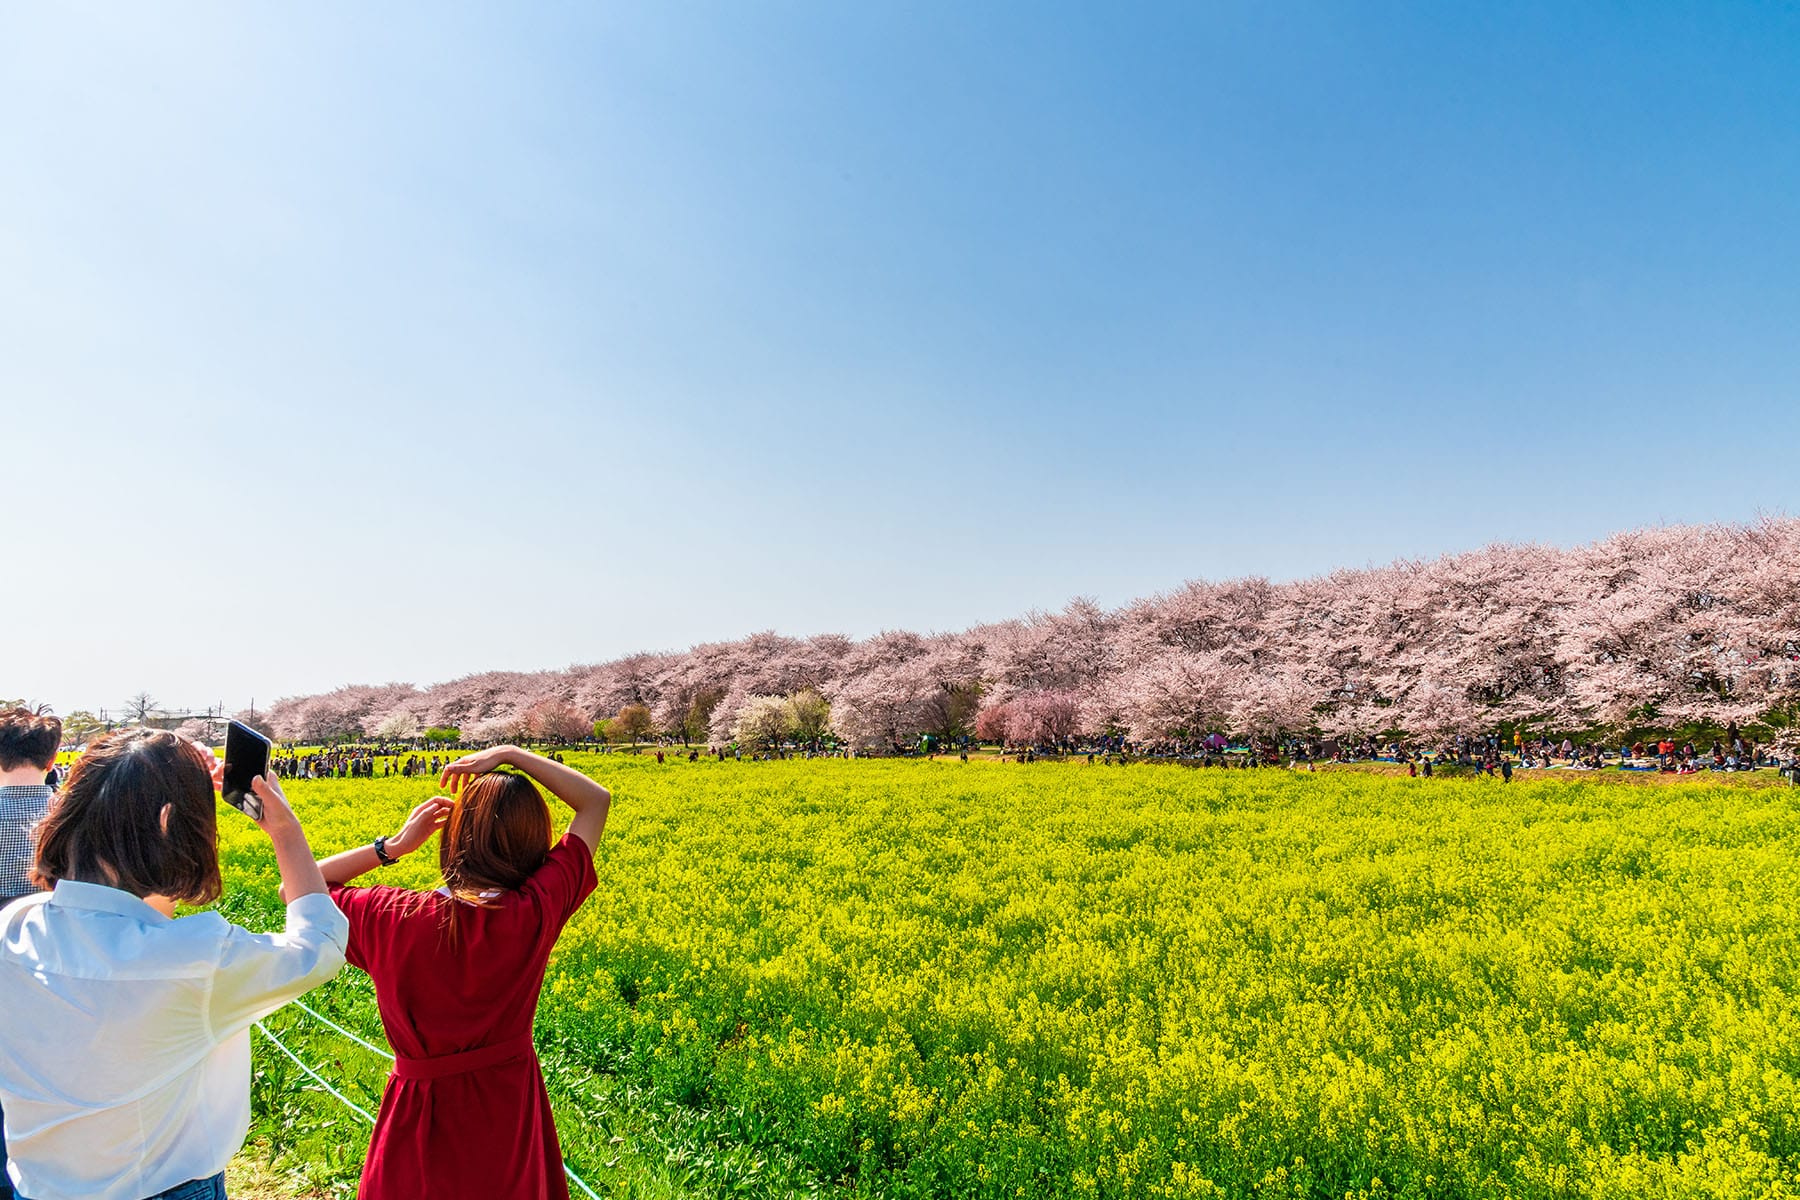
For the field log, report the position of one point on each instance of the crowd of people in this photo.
(1490, 753)
(124, 1049)
(357, 762)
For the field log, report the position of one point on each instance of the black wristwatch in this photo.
(387, 860)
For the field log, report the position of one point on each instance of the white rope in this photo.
(316, 1015)
(576, 1180)
(327, 1021)
(322, 1081)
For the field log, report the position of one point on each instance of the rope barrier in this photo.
(322, 1081)
(320, 1017)
(576, 1180)
(370, 1046)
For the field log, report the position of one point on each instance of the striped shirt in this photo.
(21, 808)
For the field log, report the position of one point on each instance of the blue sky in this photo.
(340, 344)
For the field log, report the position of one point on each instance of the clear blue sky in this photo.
(347, 343)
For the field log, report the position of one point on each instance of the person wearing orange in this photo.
(457, 973)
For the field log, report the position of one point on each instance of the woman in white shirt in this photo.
(125, 1049)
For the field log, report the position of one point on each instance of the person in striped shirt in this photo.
(28, 745)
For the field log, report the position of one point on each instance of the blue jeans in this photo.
(193, 1189)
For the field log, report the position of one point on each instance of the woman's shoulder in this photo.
(570, 856)
(565, 877)
(384, 899)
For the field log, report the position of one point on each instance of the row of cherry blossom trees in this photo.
(1658, 627)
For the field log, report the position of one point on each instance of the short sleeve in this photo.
(368, 909)
(564, 881)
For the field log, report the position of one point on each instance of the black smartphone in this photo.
(246, 757)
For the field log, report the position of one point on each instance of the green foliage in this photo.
(809, 715)
(442, 733)
(632, 723)
(79, 726)
(697, 720)
(920, 979)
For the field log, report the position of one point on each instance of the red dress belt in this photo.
(441, 1065)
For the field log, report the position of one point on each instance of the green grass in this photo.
(882, 978)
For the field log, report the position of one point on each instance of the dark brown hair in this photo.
(107, 824)
(498, 834)
(28, 739)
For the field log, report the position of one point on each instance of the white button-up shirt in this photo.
(124, 1035)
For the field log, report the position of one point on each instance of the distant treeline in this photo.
(1664, 627)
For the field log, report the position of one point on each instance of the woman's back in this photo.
(457, 984)
(465, 1111)
(127, 1032)
(451, 976)
(124, 1046)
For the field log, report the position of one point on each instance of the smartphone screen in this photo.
(246, 757)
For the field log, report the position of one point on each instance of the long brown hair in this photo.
(107, 824)
(498, 834)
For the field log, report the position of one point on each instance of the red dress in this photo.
(465, 1112)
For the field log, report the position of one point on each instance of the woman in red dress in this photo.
(457, 973)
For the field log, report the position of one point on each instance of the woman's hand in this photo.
(277, 817)
(216, 766)
(478, 763)
(421, 823)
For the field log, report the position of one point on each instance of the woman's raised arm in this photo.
(588, 799)
(424, 820)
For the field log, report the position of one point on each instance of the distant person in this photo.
(457, 973)
(28, 745)
(125, 1049)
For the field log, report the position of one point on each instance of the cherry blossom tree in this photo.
(763, 722)
(993, 722)
(879, 699)
(1041, 718)
(556, 720)
(397, 726)
(493, 731)
(1179, 692)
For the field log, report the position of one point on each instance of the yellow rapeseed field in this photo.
(1059, 980)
